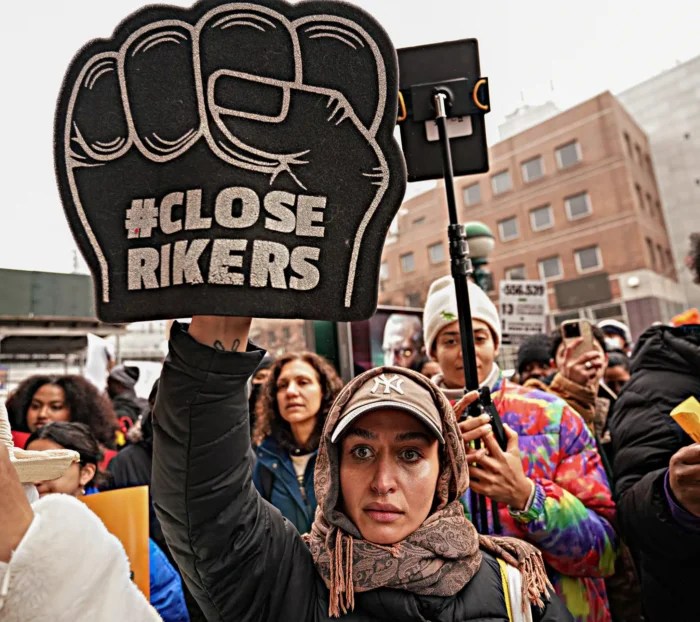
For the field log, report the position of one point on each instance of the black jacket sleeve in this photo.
(239, 557)
(645, 438)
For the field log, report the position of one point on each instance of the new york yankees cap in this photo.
(395, 391)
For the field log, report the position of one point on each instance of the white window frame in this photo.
(430, 254)
(599, 258)
(401, 262)
(548, 207)
(567, 206)
(410, 303)
(523, 169)
(384, 271)
(464, 195)
(579, 154)
(493, 182)
(500, 229)
(508, 272)
(540, 271)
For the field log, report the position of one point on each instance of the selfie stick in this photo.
(461, 269)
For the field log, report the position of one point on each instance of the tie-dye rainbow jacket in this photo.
(570, 518)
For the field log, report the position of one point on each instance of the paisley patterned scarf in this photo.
(439, 558)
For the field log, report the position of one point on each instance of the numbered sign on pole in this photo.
(523, 307)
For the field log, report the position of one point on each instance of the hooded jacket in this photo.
(240, 557)
(665, 371)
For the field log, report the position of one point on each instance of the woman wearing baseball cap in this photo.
(390, 540)
(549, 484)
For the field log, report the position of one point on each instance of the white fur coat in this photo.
(68, 567)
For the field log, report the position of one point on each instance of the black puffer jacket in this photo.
(241, 559)
(665, 371)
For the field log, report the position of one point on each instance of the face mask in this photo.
(612, 344)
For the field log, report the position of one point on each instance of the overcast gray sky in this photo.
(578, 49)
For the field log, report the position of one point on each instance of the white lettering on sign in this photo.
(523, 306)
(271, 263)
(234, 208)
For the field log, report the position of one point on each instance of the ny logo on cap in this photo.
(389, 384)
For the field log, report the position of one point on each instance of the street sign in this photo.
(523, 307)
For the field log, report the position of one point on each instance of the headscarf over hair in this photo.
(440, 557)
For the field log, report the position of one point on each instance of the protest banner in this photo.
(233, 159)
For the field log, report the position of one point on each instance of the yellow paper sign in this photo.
(125, 514)
(687, 415)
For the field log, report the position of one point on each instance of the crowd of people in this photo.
(278, 493)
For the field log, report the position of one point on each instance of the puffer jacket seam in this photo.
(187, 504)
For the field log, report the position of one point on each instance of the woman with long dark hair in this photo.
(41, 399)
(290, 414)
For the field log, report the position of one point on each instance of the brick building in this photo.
(572, 200)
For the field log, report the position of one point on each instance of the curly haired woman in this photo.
(290, 414)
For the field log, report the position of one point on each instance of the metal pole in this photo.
(459, 250)
(461, 268)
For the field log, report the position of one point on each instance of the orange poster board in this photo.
(125, 514)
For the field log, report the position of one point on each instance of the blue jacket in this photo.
(166, 587)
(276, 480)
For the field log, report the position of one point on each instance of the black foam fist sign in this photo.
(233, 159)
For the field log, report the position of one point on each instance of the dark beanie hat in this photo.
(127, 375)
(534, 349)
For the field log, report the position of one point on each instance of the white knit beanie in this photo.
(441, 310)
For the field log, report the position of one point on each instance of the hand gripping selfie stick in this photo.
(439, 82)
(461, 269)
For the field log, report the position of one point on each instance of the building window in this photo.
(650, 167)
(550, 268)
(501, 182)
(408, 263)
(532, 169)
(472, 195)
(638, 151)
(640, 196)
(508, 229)
(541, 218)
(412, 300)
(669, 260)
(383, 271)
(650, 250)
(419, 221)
(658, 209)
(577, 206)
(568, 155)
(588, 259)
(662, 257)
(628, 143)
(650, 204)
(515, 273)
(436, 252)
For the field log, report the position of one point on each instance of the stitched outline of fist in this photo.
(207, 64)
